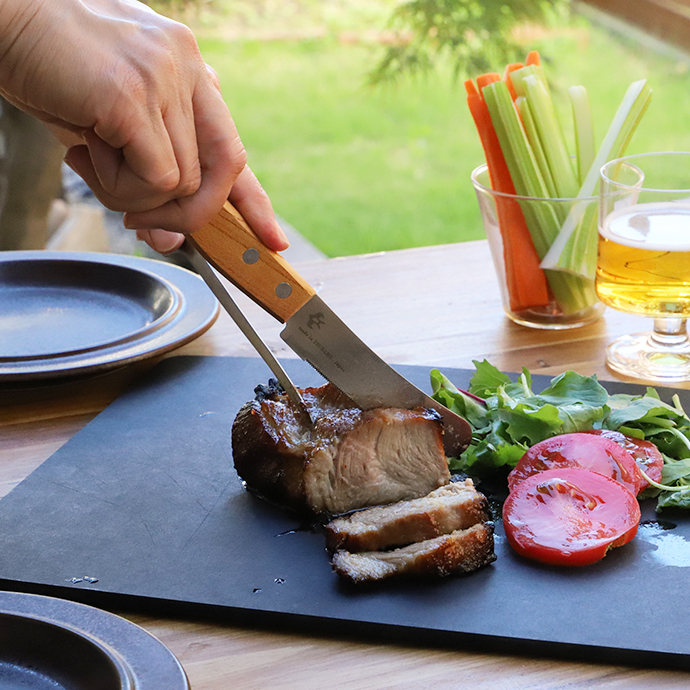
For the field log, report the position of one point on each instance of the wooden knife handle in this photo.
(230, 245)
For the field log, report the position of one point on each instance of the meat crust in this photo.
(349, 459)
(460, 551)
(452, 507)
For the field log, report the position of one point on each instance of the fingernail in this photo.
(165, 242)
(281, 235)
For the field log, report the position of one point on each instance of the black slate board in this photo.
(145, 501)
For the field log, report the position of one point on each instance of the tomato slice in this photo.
(592, 452)
(645, 453)
(569, 516)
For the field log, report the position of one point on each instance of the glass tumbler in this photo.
(533, 297)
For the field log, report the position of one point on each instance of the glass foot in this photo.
(641, 356)
(551, 318)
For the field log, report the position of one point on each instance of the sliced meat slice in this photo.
(447, 509)
(460, 551)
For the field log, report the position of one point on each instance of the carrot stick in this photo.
(533, 58)
(506, 77)
(484, 79)
(498, 170)
(525, 280)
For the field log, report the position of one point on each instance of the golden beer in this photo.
(644, 260)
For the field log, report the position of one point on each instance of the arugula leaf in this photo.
(445, 392)
(674, 499)
(648, 409)
(671, 442)
(577, 417)
(580, 389)
(675, 470)
(488, 456)
(487, 379)
(527, 424)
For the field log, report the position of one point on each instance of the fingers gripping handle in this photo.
(231, 246)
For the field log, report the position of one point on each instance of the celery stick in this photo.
(531, 83)
(522, 104)
(585, 145)
(521, 162)
(571, 292)
(574, 249)
(520, 158)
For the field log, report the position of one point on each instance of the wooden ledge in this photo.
(667, 20)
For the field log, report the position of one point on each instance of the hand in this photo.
(127, 91)
(247, 196)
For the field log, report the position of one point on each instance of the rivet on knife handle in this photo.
(230, 246)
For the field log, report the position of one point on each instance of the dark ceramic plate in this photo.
(48, 643)
(66, 313)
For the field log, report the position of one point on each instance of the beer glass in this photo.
(643, 263)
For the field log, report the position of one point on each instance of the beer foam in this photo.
(659, 226)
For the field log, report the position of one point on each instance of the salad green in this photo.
(507, 417)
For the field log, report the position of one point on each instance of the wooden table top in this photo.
(433, 306)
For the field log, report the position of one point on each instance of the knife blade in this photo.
(312, 329)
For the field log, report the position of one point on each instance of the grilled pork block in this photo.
(348, 459)
(447, 509)
(460, 551)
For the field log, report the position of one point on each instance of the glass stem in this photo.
(670, 332)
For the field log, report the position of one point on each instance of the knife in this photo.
(312, 329)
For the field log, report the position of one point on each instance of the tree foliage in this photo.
(475, 35)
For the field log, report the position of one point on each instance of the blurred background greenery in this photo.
(353, 111)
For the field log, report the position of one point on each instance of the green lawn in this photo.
(357, 170)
